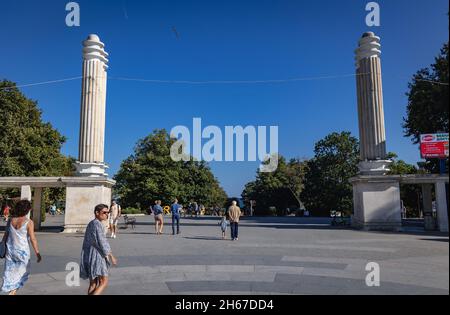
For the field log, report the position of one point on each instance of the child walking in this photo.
(223, 226)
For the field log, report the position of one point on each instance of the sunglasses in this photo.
(104, 212)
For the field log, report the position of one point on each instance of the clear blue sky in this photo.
(220, 40)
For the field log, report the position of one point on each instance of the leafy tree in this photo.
(280, 189)
(327, 185)
(411, 195)
(150, 174)
(29, 146)
(428, 102)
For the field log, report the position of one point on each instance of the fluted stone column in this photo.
(376, 196)
(92, 186)
(93, 109)
(370, 106)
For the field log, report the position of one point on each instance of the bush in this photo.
(273, 211)
(266, 212)
(280, 212)
(131, 211)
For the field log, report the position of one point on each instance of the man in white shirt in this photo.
(115, 214)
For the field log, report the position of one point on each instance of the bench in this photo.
(129, 221)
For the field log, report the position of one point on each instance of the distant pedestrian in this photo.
(216, 211)
(223, 226)
(234, 213)
(191, 209)
(19, 232)
(115, 214)
(96, 254)
(150, 210)
(196, 209)
(6, 212)
(175, 209)
(159, 220)
(53, 210)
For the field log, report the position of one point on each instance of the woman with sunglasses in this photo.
(96, 255)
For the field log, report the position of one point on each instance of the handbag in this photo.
(3, 247)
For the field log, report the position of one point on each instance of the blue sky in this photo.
(220, 40)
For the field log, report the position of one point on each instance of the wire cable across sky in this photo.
(212, 82)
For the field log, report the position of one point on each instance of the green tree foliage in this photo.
(280, 189)
(428, 103)
(29, 146)
(327, 184)
(150, 174)
(411, 195)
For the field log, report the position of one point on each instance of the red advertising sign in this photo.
(434, 146)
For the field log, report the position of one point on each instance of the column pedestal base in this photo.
(376, 167)
(377, 204)
(81, 198)
(91, 169)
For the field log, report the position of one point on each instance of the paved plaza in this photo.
(273, 256)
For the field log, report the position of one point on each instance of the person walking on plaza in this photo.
(6, 210)
(96, 254)
(234, 213)
(159, 220)
(19, 232)
(175, 209)
(196, 209)
(223, 226)
(115, 214)
(53, 210)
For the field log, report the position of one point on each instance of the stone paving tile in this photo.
(164, 277)
(274, 287)
(148, 288)
(183, 268)
(231, 268)
(254, 276)
(280, 269)
(323, 247)
(209, 286)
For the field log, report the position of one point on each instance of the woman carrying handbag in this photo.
(19, 232)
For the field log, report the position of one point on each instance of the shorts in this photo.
(114, 221)
(159, 217)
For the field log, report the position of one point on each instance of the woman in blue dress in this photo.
(96, 255)
(19, 232)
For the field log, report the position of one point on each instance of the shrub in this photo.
(131, 211)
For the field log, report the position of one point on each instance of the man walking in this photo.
(175, 209)
(234, 213)
(114, 218)
(53, 210)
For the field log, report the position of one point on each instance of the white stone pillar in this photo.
(25, 193)
(441, 205)
(428, 207)
(372, 132)
(93, 109)
(37, 203)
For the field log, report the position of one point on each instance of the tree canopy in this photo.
(280, 189)
(28, 146)
(327, 185)
(428, 102)
(150, 174)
